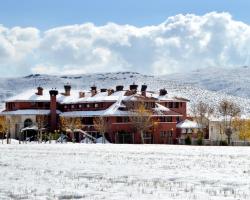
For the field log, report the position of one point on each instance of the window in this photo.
(122, 119)
(10, 106)
(96, 105)
(170, 104)
(164, 134)
(72, 106)
(88, 120)
(169, 119)
(65, 107)
(40, 104)
(126, 119)
(162, 119)
(80, 105)
(27, 123)
(176, 104)
(118, 119)
(146, 135)
(166, 119)
(88, 106)
(46, 104)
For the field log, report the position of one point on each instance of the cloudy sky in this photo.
(152, 37)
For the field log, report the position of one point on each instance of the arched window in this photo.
(27, 123)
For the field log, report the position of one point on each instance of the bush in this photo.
(223, 143)
(200, 141)
(55, 136)
(187, 140)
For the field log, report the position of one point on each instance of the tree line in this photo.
(227, 113)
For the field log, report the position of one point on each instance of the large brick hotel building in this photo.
(24, 109)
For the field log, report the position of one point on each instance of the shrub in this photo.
(187, 140)
(200, 141)
(223, 143)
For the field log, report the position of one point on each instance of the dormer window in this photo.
(176, 104)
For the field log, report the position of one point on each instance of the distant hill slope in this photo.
(231, 81)
(177, 85)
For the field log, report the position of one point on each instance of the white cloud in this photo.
(181, 43)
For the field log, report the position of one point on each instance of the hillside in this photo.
(175, 86)
(231, 81)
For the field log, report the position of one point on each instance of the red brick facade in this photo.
(120, 128)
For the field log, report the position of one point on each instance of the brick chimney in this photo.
(93, 90)
(67, 89)
(143, 90)
(119, 87)
(133, 88)
(103, 90)
(39, 91)
(53, 106)
(163, 92)
(81, 94)
(110, 91)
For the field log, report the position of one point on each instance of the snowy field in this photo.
(108, 171)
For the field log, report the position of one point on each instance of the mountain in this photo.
(232, 81)
(210, 87)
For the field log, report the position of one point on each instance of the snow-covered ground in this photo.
(109, 171)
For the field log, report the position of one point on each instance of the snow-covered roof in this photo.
(160, 108)
(101, 97)
(30, 95)
(35, 128)
(27, 112)
(166, 97)
(187, 124)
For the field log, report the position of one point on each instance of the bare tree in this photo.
(242, 126)
(228, 111)
(101, 125)
(202, 113)
(41, 123)
(3, 126)
(70, 124)
(140, 117)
